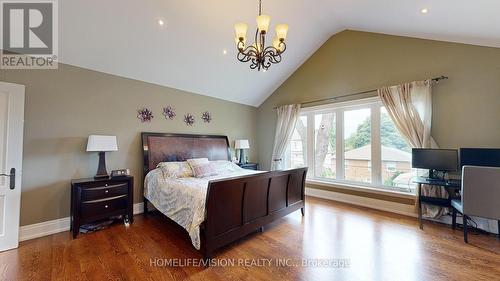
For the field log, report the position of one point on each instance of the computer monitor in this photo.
(489, 157)
(435, 160)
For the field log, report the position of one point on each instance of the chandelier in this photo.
(260, 56)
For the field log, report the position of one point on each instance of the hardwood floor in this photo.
(377, 246)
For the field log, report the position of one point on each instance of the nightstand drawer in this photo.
(104, 191)
(103, 207)
(104, 183)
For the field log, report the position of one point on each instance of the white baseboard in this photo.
(138, 208)
(393, 207)
(41, 229)
(45, 228)
(32, 231)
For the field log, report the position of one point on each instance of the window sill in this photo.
(349, 186)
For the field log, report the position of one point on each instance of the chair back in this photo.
(481, 191)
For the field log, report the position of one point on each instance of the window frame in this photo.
(338, 109)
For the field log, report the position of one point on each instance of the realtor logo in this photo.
(29, 34)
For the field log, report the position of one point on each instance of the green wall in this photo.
(466, 107)
(64, 106)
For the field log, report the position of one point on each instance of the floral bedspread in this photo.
(183, 199)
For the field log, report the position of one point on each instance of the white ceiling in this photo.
(122, 37)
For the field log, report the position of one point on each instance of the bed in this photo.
(219, 209)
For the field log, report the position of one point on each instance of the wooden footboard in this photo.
(238, 206)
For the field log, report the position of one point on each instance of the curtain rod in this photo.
(436, 79)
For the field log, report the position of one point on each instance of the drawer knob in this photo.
(106, 206)
(106, 185)
(106, 191)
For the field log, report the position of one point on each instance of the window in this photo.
(390, 166)
(324, 145)
(396, 155)
(357, 145)
(352, 142)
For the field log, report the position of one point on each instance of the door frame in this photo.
(13, 159)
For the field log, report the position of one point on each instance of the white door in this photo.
(11, 150)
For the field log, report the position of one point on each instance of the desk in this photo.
(451, 186)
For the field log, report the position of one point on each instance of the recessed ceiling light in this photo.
(424, 11)
(224, 51)
(161, 22)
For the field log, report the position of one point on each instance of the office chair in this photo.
(480, 195)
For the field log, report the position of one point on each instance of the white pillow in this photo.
(176, 169)
(204, 170)
(197, 161)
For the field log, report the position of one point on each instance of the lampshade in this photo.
(102, 143)
(281, 31)
(241, 30)
(263, 22)
(241, 144)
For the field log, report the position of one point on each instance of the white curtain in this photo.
(410, 107)
(287, 119)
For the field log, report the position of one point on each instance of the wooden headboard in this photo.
(165, 147)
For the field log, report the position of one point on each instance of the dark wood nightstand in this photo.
(96, 199)
(249, 166)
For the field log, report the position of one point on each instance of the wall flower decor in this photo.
(169, 112)
(206, 116)
(145, 115)
(189, 119)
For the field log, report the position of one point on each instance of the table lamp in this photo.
(101, 144)
(241, 145)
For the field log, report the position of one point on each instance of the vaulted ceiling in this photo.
(123, 37)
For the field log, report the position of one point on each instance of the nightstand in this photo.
(96, 199)
(249, 166)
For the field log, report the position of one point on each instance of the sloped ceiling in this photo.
(123, 37)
